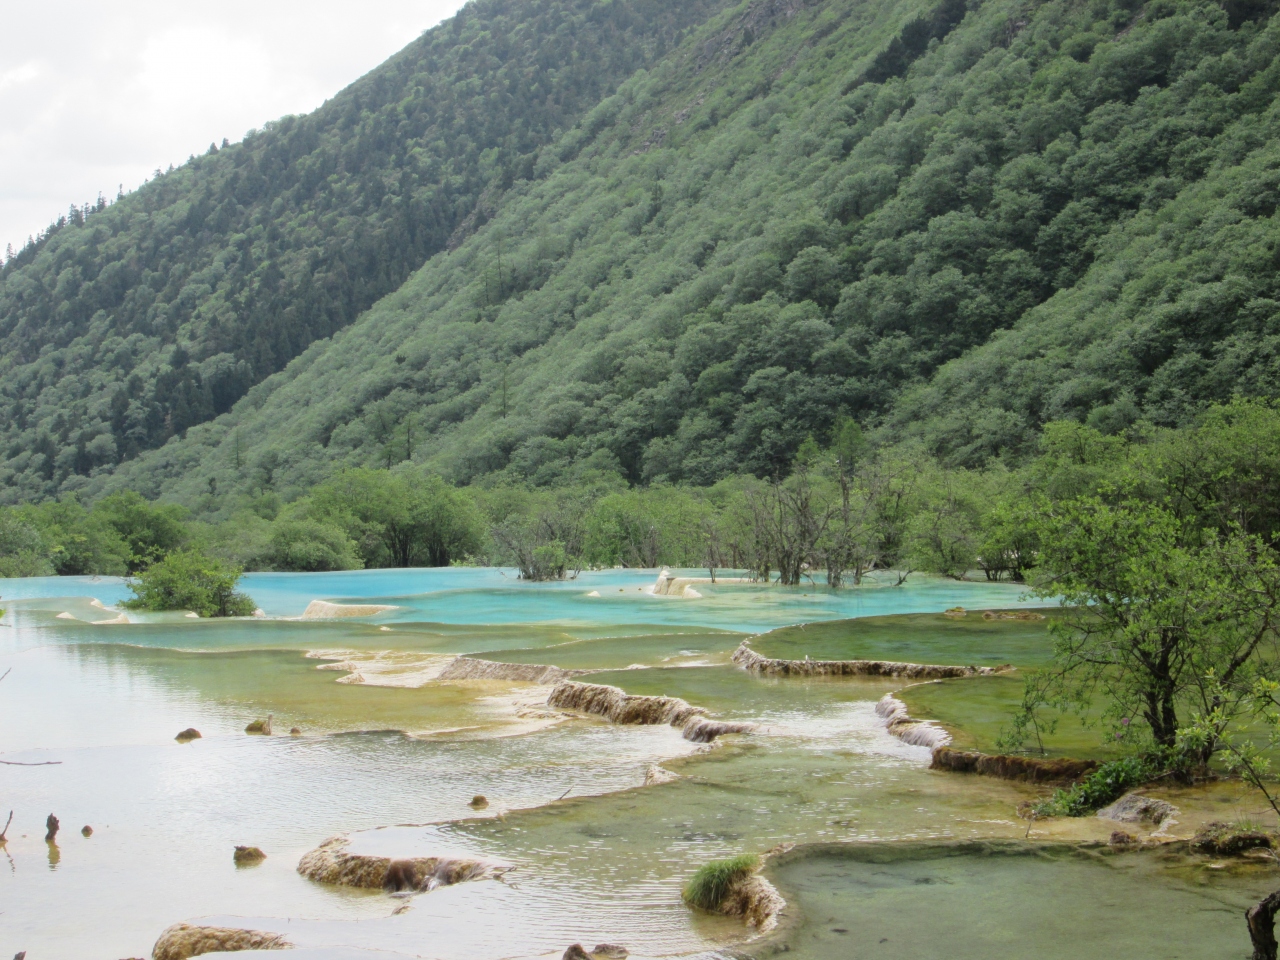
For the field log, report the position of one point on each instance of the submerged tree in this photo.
(189, 580)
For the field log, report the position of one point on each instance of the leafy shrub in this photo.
(22, 551)
(149, 530)
(708, 887)
(1107, 783)
(189, 580)
(310, 546)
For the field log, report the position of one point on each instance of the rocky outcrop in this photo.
(324, 610)
(247, 856)
(1012, 615)
(469, 668)
(617, 706)
(184, 940)
(602, 951)
(1059, 770)
(656, 775)
(702, 730)
(747, 658)
(668, 585)
(755, 900)
(1135, 808)
(331, 863)
(1224, 840)
(261, 727)
(918, 733)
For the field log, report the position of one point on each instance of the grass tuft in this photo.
(708, 887)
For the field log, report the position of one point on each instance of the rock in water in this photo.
(86, 831)
(51, 825)
(1135, 808)
(479, 802)
(611, 951)
(295, 731)
(183, 941)
(247, 856)
(1223, 840)
(187, 735)
(576, 952)
(260, 726)
(656, 775)
(331, 863)
(1120, 838)
(324, 610)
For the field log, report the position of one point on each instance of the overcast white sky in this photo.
(98, 93)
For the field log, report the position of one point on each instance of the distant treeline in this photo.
(845, 510)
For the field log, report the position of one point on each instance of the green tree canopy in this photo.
(189, 580)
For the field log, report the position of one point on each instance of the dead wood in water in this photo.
(1261, 918)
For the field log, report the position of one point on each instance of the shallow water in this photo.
(384, 745)
(490, 595)
(991, 902)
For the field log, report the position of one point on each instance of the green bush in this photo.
(22, 550)
(1106, 784)
(708, 887)
(150, 530)
(189, 580)
(310, 546)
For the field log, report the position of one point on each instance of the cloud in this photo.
(94, 96)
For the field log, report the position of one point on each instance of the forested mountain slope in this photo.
(126, 324)
(808, 209)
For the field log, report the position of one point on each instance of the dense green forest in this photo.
(948, 222)
(123, 325)
(845, 511)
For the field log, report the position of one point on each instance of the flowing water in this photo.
(390, 754)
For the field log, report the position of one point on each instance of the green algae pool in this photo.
(391, 755)
(1003, 901)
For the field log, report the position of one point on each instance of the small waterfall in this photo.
(702, 730)
(618, 706)
(1056, 770)
(747, 658)
(918, 733)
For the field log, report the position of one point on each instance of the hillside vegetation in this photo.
(126, 324)
(957, 222)
(803, 212)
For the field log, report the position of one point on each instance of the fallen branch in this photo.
(3, 838)
(6, 673)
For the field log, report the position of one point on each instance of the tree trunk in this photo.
(1262, 926)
